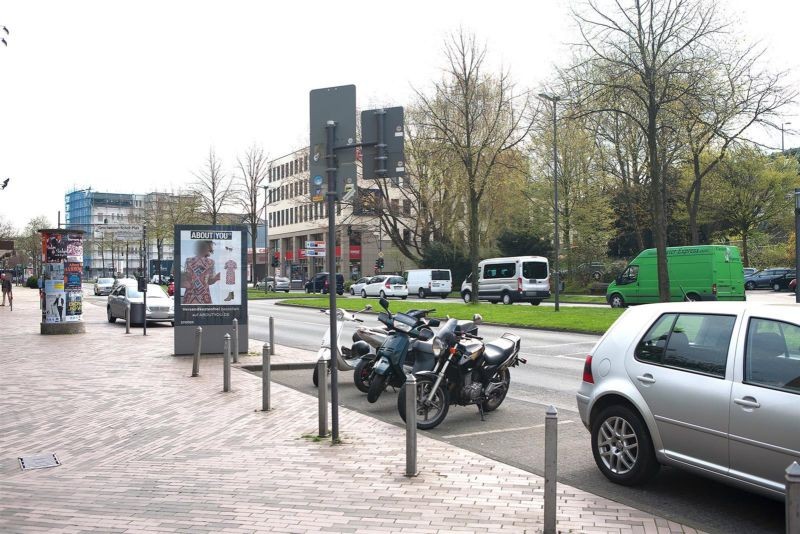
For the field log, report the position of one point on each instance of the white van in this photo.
(427, 282)
(509, 280)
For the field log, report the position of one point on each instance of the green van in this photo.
(705, 272)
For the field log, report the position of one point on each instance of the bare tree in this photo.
(6, 228)
(253, 168)
(650, 55)
(213, 187)
(476, 117)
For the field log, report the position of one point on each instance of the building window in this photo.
(406, 236)
(395, 206)
(406, 207)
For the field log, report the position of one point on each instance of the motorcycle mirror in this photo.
(384, 304)
(477, 318)
(426, 334)
(433, 322)
(368, 307)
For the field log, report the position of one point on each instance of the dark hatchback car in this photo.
(319, 284)
(766, 278)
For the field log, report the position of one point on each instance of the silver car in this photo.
(160, 307)
(709, 387)
(103, 286)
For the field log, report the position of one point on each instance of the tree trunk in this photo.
(745, 255)
(159, 247)
(658, 198)
(474, 255)
(253, 236)
(694, 201)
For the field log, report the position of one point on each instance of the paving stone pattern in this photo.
(146, 448)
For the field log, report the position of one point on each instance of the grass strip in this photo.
(569, 319)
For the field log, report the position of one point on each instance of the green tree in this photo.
(524, 242)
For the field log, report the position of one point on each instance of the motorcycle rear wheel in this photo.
(429, 416)
(376, 387)
(361, 374)
(495, 402)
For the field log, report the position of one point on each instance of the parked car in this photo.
(749, 270)
(276, 283)
(160, 308)
(159, 279)
(429, 282)
(765, 278)
(385, 286)
(319, 283)
(358, 285)
(705, 272)
(783, 282)
(509, 280)
(103, 286)
(709, 387)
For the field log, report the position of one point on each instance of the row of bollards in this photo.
(267, 350)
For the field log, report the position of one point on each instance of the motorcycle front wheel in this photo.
(429, 414)
(361, 374)
(495, 402)
(376, 387)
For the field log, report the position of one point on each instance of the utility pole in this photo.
(266, 236)
(554, 100)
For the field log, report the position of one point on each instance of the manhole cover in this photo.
(38, 462)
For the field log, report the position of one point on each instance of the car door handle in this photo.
(747, 402)
(646, 378)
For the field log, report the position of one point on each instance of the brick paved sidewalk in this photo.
(146, 448)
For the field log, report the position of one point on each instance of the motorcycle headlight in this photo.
(438, 346)
(402, 327)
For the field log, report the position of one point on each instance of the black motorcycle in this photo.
(467, 372)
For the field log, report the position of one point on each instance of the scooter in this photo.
(346, 358)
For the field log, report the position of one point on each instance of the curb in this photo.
(280, 366)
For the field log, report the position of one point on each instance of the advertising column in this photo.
(62, 274)
(210, 286)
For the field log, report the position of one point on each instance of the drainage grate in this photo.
(38, 462)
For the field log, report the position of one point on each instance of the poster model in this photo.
(210, 264)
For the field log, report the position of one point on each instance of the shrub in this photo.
(32, 282)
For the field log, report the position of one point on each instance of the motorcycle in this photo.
(467, 372)
(346, 359)
(407, 348)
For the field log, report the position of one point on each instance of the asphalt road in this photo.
(514, 434)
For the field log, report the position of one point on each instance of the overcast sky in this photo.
(128, 97)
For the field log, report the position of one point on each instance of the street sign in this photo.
(383, 127)
(336, 104)
(380, 254)
(315, 252)
(121, 231)
(315, 244)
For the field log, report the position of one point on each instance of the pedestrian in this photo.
(6, 285)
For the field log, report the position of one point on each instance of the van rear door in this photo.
(440, 281)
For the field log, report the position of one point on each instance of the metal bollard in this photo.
(550, 468)
(198, 345)
(128, 318)
(236, 341)
(322, 393)
(265, 378)
(226, 364)
(793, 498)
(411, 426)
(271, 336)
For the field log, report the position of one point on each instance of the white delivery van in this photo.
(427, 282)
(509, 280)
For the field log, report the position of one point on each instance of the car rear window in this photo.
(534, 269)
(440, 275)
(689, 341)
(772, 355)
(397, 280)
(105, 280)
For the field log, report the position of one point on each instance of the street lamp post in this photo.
(266, 237)
(554, 100)
(783, 125)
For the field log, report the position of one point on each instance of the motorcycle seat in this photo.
(498, 351)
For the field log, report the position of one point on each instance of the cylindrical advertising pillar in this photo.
(62, 281)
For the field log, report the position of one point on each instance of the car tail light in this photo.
(519, 284)
(387, 284)
(587, 370)
(713, 289)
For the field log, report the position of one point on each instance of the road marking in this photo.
(515, 429)
(563, 344)
(570, 357)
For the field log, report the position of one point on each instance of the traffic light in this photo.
(380, 263)
(276, 259)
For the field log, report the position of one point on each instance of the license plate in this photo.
(381, 367)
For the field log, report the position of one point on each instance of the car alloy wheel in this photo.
(617, 445)
(363, 293)
(616, 301)
(776, 287)
(421, 293)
